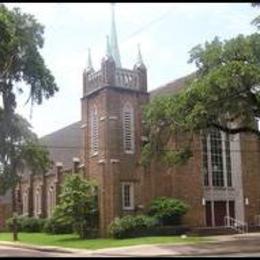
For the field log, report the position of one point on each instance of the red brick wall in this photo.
(250, 153)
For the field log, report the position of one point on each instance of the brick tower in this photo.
(112, 102)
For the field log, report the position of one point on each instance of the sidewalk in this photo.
(222, 245)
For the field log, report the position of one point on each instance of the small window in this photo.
(128, 196)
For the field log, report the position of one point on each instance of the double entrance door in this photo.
(217, 210)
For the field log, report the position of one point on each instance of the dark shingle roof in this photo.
(65, 144)
(172, 87)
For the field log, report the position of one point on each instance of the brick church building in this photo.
(221, 179)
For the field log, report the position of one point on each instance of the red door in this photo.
(208, 214)
(220, 212)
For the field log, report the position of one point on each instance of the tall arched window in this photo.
(94, 130)
(37, 202)
(51, 200)
(128, 128)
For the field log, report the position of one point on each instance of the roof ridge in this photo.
(171, 82)
(60, 129)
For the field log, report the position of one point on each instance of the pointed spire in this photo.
(139, 63)
(114, 46)
(89, 64)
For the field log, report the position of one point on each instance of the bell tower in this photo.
(112, 105)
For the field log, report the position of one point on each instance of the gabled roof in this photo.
(65, 144)
(172, 87)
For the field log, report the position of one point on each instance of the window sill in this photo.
(129, 152)
(128, 209)
(93, 155)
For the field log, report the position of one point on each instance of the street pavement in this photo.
(8, 251)
(228, 245)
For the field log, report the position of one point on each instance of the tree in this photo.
(22, 151)
(223, 94)
(20, 61)
(256, 21)
(78, 204)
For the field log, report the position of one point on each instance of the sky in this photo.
(166, 33)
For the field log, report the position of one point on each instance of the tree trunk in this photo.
(15, 233)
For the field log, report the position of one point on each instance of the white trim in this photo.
(102, 161)
(76, 159)
(59, 164)
(112, 117)
(131, 195)
(114, 160)
(102, 118)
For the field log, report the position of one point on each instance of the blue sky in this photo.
(166, 33)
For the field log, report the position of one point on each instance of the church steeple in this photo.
(114, 46)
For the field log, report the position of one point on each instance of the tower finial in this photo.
(89, 65)
(139, 63)
(139, 57)
(114, 46)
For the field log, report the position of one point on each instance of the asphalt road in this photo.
(7, 251)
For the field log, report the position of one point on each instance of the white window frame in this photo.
(131, 195)
(224, 158)
(128, 108)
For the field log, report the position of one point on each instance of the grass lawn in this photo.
(73, 241)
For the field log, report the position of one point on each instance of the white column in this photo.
(210, 181)
(224, 157)
(236, 166)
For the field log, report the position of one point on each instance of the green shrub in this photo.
(129, 226)
(26, 224)
(9, 223)
(54, 226)
(168, 211)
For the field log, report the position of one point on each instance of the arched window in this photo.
(51, 200)
(94, 130)
(128, 128)
(37, 202)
